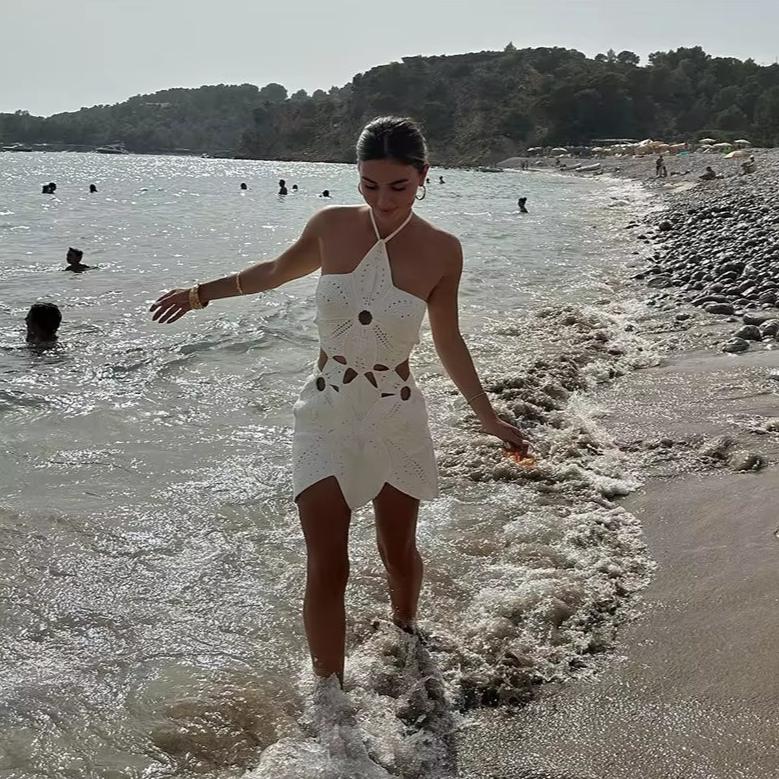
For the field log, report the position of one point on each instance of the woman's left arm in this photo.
(455, 357)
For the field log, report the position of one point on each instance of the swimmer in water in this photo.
(42, 320)
(521, 203)
(282, 187)
(74, 261)
(325, 193)
(243, 185)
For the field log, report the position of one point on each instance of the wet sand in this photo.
(692, 691)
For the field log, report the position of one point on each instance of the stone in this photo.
(735, 345)
(660, 281)
(758, 317)
(699, 301)
(719, 308)
(743, 460)
(716, 448)
(770, 328)
(749, 333)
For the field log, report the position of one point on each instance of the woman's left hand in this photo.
(509, 433)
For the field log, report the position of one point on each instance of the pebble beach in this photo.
(691, 689)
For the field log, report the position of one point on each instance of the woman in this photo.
(361, 428)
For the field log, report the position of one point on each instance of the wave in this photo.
(546, 566)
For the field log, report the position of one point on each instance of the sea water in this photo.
(151, 564)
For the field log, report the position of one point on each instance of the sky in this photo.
(60, 55)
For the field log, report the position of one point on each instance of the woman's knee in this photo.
(328, 573)
(398, 556)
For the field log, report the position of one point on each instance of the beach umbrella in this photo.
(559, 150)
(707, 140)
(742, 142)
(739, 153)
(722, 146)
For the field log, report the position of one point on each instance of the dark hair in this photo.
(46, 316)
(393, 138)
(77, 253)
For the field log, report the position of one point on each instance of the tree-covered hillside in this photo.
(208, 118)
(478, 108)
(475, 108)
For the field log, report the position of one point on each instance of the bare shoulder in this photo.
(335, 216)
(446, 247)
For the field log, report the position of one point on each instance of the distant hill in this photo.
(475, 108)
(479, 108)
(206, 119)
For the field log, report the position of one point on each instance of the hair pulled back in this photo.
(396, 138)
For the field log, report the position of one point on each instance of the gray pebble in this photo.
(735, 345)
(755, 318)
(749, 333)
(745, 461)
(719, 308)
(770, 328)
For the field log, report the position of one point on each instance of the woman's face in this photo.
(389, 187)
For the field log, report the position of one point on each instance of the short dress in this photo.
(360, 416)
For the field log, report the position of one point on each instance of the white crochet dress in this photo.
(360, 416)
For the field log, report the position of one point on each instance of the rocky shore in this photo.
(716, 246)
(688, 692)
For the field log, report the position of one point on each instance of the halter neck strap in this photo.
(394, 232)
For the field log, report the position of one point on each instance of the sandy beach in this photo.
(692, 690)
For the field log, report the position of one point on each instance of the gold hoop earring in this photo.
(424, 193)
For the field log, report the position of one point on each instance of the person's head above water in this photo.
(43, 320)
(392, 160)
(325, 193)
(92, 188)
(74, 256)
(294, 187)
(282, 183)
(243, 185)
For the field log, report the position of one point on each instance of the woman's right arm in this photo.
(302, 258)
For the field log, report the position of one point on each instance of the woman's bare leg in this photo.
(396, 530)
(325, 518)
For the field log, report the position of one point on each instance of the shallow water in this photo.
(151, 558)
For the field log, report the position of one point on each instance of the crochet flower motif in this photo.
(365, 307)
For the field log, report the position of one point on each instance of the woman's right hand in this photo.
(171, 306)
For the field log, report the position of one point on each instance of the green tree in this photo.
(628, 58)
(273, 93)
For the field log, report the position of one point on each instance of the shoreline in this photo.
(688, 691)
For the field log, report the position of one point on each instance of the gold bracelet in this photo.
(238, 283)
(194, 298)
(473, 397)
